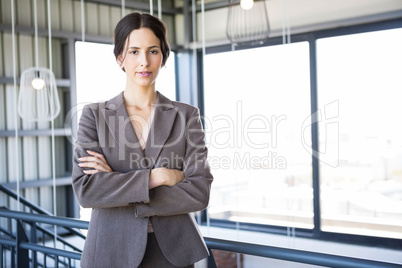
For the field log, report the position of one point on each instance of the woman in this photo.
(140, 163)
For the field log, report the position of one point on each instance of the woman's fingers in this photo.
(96, 161)
(90, 171)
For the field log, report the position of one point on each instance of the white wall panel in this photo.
(169, 21)
(104, 21)
(115, 14)
(26, 51)
(45, 173)
(59, 120)
(92, 18)
(2, 109)
(3, 151)
(77, 16)
(8, 54)
(26, 60)
(5, 6)
(67, 15)
(24, 14)
(55, 14)
(1, 56)
(11, 141)
(61, 201)
(215, 25)
(41, 6)
(56, 58)
(179, 22)
(29, 148)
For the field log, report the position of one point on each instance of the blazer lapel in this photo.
(162, 124)
(119, 124)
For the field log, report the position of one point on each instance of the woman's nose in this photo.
(144, 59)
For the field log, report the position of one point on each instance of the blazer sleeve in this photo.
(104, 189)
(191, 194)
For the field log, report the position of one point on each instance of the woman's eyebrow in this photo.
(140, 48)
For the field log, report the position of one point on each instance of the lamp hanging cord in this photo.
(151, 7)
(82, 21)
(17, 171)
(203, 56)
(160, 9)
(36, 34)
(52, 123)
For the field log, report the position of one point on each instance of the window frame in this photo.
(316, 232)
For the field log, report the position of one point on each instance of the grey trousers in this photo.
(154, 257)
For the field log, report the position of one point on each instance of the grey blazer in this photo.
(120, 200)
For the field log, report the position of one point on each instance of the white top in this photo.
(142, 137)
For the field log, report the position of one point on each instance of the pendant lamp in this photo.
(247, 22)
(38, 98)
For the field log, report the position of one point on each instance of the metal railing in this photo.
(294, 255)
(16, 232)
(22, 246)
(34, 208)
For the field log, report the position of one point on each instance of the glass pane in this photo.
(359, 77)
(256, 104)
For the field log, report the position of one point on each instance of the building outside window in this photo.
(361, 190)
(256, 101)
(258, 121)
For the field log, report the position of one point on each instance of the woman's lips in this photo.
(144, 74)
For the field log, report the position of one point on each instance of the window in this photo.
(359, 81)
(256, 103)
(259, 124)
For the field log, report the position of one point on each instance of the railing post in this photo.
(34, 240)
(22, 254)
(211, 260)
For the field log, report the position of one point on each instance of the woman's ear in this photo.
(163, 64)
(119, 61)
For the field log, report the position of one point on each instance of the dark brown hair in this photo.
(135, 21)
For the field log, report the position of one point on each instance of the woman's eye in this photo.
(154, 51)
(134, 52)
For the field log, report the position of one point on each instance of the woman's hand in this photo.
(96, 161)
(165, 176)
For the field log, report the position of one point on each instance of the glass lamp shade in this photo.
(38, 98)
(247, 25)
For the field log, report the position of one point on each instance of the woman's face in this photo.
(141, 58)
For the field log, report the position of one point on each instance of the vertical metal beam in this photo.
(187, 24)
(314, 135)
(200, 84)
(69, 71)
(211, 260)
(34, 257)
(22, 254)
(184, 68)
(183, 76)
